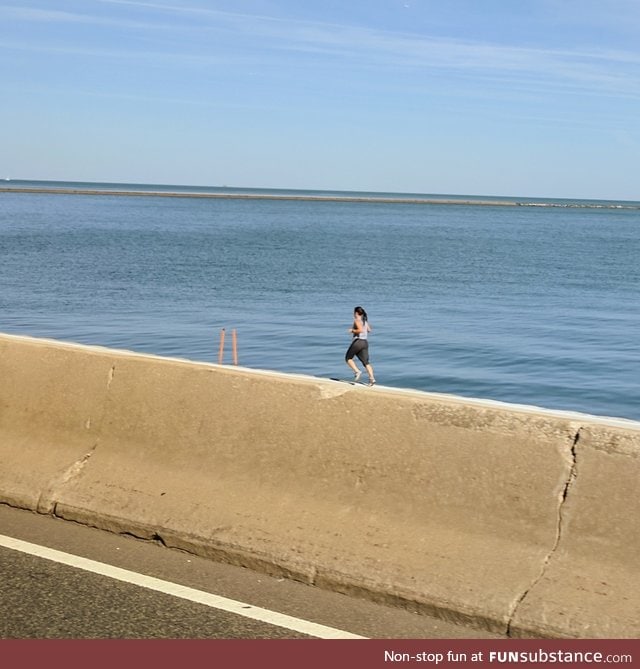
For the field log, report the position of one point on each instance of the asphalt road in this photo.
(42, 598)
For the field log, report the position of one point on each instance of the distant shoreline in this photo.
(312, 198)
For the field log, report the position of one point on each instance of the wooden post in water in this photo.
(221, 349)
(234, 346)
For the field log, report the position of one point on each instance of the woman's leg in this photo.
(354, 349)
(370, 373)
(363, 354)
(353, 366)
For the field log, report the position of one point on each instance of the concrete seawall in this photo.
(514, 519)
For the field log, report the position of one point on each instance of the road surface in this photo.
(63, 580)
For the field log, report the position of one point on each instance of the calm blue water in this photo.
(531, 305)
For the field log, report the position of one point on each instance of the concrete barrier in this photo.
(474, 511)
(592, 584)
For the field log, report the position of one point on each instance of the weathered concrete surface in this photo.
(592, 582)
(50, 409)
(432, 502)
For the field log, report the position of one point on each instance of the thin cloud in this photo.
(71, 19)
(42, 15)
(598, 69)
(128, 55)
(34, 15)
(254, 38)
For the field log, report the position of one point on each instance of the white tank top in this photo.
(365, 331)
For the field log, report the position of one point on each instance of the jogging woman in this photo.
(360, 345)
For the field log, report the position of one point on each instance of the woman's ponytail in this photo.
(362, 313)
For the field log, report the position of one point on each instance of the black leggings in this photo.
(359, 347)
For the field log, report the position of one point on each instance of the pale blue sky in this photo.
(487, 97)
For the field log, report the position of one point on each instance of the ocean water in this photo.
(526, 304)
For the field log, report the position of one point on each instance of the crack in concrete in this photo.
(47, 501)
(559, 528)
(110, 376)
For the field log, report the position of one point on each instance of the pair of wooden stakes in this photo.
(234, 346)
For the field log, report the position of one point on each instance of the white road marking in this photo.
(181, 591)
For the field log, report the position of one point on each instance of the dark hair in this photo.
(361, 312)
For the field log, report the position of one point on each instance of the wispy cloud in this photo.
(97, 52)
(255, 38)
(598, 69)
(36, 15)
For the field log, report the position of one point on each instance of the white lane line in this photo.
(184, 592)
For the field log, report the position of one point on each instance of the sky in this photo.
(531, 98)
